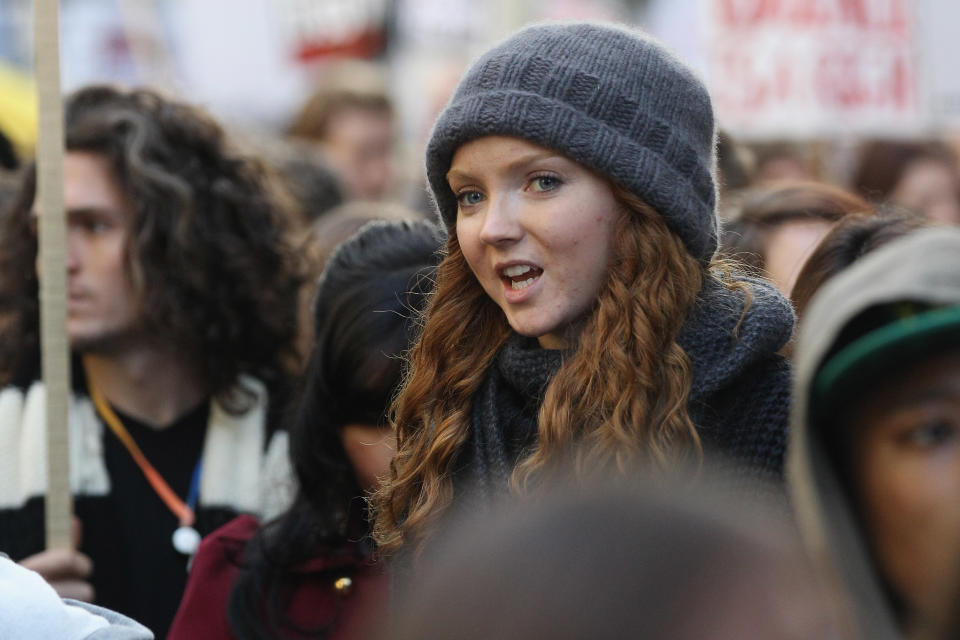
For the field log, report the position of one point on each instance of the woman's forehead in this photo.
(502, 152)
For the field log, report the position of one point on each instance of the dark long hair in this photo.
(365, 315)
(849, 240)
(207, 250)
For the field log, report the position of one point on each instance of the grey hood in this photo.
(923, 267)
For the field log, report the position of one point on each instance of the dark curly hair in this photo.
(208, 251)
(365, 316)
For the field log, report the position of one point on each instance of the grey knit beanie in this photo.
(605, 96)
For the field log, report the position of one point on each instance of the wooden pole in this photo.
(52, 243)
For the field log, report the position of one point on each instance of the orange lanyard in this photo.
(180, 509)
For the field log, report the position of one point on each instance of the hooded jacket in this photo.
(923, 268)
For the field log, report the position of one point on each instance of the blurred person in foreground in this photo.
(921, 176)
(181, 317)
(351, 120)
(310, 572)
(772, 229)
(874, 459)
(613, 561)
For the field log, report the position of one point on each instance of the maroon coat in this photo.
(203, 610)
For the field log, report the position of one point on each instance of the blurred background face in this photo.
(788, 246)
(359, 146)
(932, 189)
(907, 475)
(102, 304)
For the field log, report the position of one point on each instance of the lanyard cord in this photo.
(180, 509)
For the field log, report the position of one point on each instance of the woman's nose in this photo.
(501, 222)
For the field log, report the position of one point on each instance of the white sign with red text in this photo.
(803, 68)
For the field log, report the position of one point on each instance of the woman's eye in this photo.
(469, 198)
(544, 183)
(933, 434)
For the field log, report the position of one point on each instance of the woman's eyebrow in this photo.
(532, 158)
(513, 165)
(454, 174)
(87, 210)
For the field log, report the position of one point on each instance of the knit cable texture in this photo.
(739, 398)
(610, 98)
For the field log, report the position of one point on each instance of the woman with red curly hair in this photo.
(579, 317)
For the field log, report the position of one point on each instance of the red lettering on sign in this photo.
(854, 11)
(884, 15)
(748, 13)
(901, 85)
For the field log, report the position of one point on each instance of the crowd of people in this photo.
(593, 375)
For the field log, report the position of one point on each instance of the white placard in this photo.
(814, 68)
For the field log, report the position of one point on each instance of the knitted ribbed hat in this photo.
(607, 97)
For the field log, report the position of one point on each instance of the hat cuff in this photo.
(664, 171)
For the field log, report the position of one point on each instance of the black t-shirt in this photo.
(136, 570)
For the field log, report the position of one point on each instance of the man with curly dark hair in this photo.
(181, 315)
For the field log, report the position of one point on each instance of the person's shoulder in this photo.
(213, 572)
(734, 334)
(226, 543)
(23, 479)
(746, 420)
(120, 627)
(29, 607)
(765, 385)
(240, 529)
(17, 393)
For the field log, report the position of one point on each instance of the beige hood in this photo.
(923, 267)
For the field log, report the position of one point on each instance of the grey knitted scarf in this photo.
(505, 411)
(738, 400)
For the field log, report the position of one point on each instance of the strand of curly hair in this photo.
(431, 415)
(620, 398)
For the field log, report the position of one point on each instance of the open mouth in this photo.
(520, 276)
